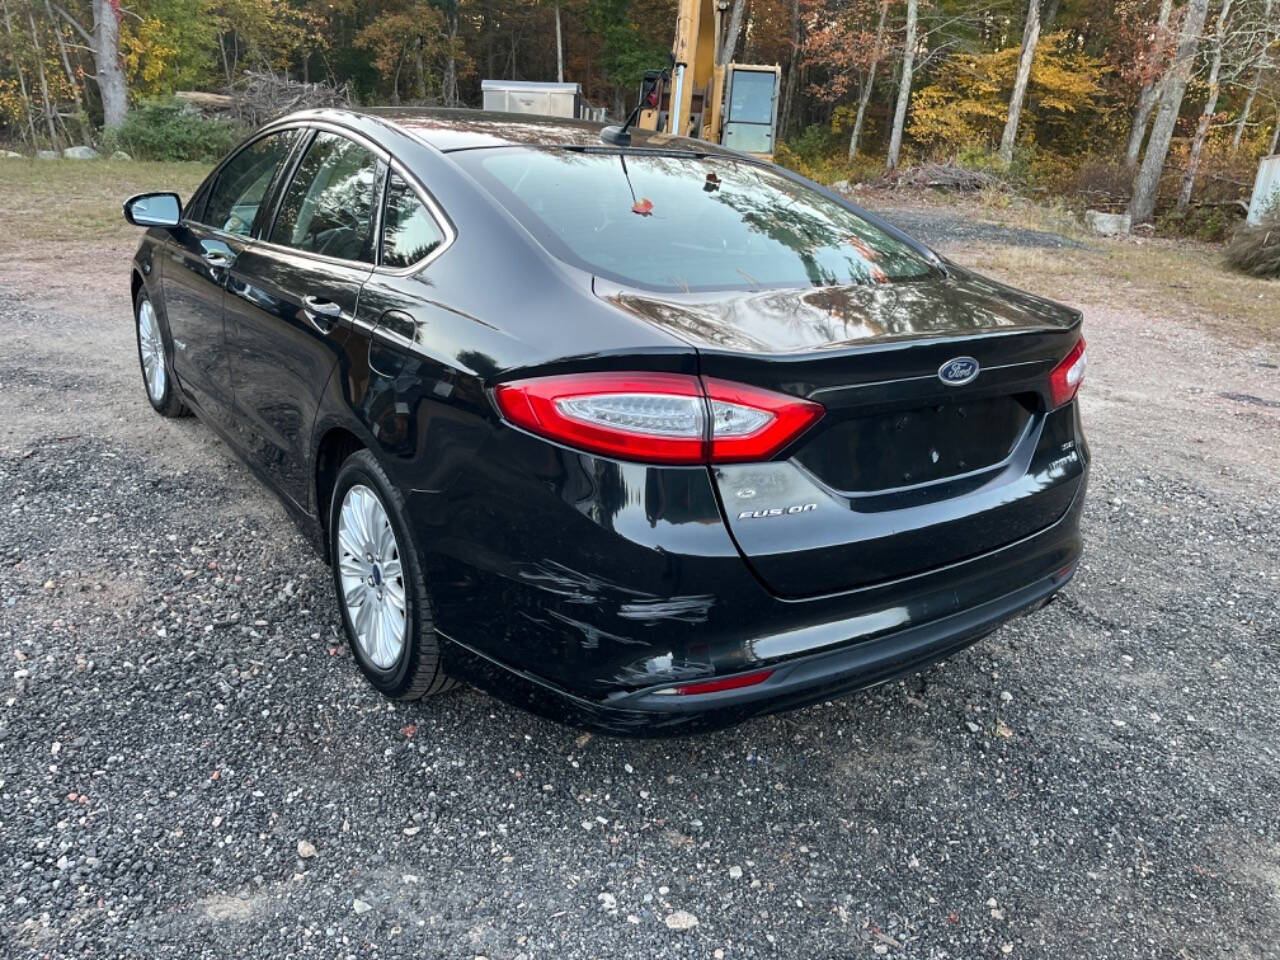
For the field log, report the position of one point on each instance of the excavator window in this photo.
(748, 122)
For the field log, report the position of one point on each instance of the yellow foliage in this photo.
(146, 54)
(968, 101)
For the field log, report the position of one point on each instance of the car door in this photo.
(291, 298)
(399, 318)
(196, 265)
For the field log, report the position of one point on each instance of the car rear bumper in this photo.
(583, 594)
(655, 712)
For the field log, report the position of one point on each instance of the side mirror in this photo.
(153, 210)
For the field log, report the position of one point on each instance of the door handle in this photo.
(322, 307)
(218, 258)
(322, 313)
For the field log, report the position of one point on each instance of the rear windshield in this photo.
(680, 223)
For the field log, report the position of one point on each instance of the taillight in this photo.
(657, 417)
(1066, 377)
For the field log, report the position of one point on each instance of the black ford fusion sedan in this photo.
(647, 438)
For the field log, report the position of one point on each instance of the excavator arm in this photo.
(734, 104)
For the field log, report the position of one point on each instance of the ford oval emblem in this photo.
(958, 371)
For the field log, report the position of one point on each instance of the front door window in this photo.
(243, 183)
(328, 208)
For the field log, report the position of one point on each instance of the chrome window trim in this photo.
(437, 214)
(309, 255)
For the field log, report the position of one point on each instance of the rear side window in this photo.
(409, 232)
(328, 207)
(682, 223)
(242, 184)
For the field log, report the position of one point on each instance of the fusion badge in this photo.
(777, 511)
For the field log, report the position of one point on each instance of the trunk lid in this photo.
(904, 472)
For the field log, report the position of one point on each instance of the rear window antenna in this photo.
(650, 98)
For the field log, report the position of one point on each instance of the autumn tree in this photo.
(904, 85)
(965, 103)
(1260, 63)
(1147, 60)
(1222, 28)
(1027, 52)
(844, 45)
(1174, 87)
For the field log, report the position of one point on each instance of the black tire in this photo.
(170, 402)
(419, 670)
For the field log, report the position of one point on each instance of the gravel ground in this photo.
(942, 228)
(191, 766)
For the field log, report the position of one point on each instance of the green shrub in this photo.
(169, 130)
(1210, 224)
(818, 142)
(1256, 250)
(979, 158)
(821, 153)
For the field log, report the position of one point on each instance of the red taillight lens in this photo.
(740, 431)
(1067, 376)
(657, 417)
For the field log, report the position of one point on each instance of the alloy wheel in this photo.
(372, 577)
(152, 348)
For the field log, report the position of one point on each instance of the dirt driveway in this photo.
(191, 766)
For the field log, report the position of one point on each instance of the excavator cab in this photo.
(750, 114)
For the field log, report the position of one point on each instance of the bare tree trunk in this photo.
(729, 42)
(1030, 39)
(487, 27)
(864, 97)
(222, 51)
(106, 63)
(559, 48)
(1147, 182)
(419, 70)
(22, 77)
(44, 85)
(904, 86)
(793, 71)
(72, 82)
(1243, 121)
(1210, 107)
(1150, 92)
(451, 62)
(1275, 136)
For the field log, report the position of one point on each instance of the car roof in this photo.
(463, 129)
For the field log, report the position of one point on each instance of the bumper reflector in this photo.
(724, 683)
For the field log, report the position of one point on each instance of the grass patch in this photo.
(1183, 281)
(78, 202)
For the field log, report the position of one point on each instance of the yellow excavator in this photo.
(732, 104)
